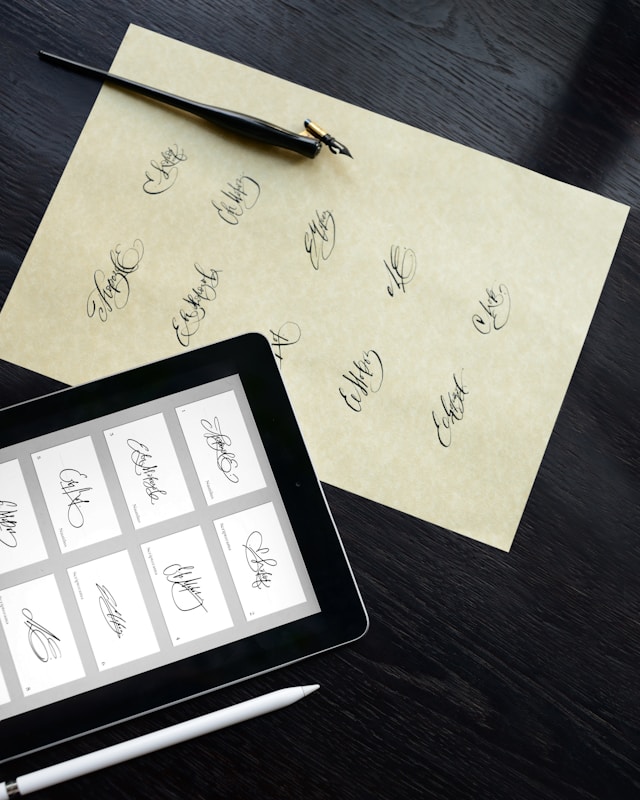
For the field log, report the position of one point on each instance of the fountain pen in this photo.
(306, 144)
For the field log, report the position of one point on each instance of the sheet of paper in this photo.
(148, 470)
(187, 585)
(48, 655)
(20, 535)
(113, 610)
(258, 558)
(76, 494)
(427, 303)
(221, 448)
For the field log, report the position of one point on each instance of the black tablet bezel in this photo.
(342, 617)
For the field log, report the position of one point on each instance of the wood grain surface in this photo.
(484, 674)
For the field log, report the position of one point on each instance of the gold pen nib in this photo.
(332, 143)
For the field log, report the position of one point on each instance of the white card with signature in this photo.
(39, 635)
(76, 494)
(149, 471)
(20, 539)
(187, 585)
(259, 560)
(220, 447)
(113, 610)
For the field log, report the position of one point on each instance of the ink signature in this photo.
(254, 552)
(287, 334)
(190, 316)
(139, 456)
(8, 523)
(69, 483)
(320, 238)
(401, 268)
(112, 292)
(452, 411)
(185, 590)
(495, 311)
(165, 173)
(366, 376)
(242, 195)
(110, 612)
(43, 643)
(218, 441)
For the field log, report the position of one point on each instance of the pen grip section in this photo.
(261, 131)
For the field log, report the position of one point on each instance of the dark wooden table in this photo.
(484, 675)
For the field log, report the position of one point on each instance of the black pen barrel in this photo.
(233, 121)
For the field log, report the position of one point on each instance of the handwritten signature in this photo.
(241, 195)
(109, 608)
(165, 173)
(495, 310)
(69, 483)
(452, 411)
(254, 552)
(190, 316)
(43, 643)
(320, 238)
(218, 441)
(139, 456)
(8, 523)
(366, 376)
(401, 268)
(287, 334)
(112, 292)
(185, 590)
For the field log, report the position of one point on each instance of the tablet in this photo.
(162, 534)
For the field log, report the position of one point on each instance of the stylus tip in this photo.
(312, 687)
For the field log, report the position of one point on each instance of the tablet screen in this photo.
(167, 523)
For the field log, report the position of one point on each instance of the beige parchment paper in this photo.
(426, 303)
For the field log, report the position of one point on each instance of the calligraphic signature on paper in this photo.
(71, 485)
(8, 523)
(164, 173)
(220, 443)
(256, 553)
(185, 589)
(401, 268)
(111, 291)
(495, 310)
(190, 316)
(42, 641)
(238, 196)
(364, 377)
(450, 410)
(110, 611)
(320, 238)
(140, 455)
(287, 334)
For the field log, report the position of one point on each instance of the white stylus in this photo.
(150, 742)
